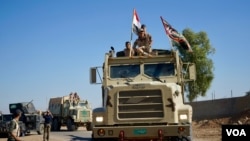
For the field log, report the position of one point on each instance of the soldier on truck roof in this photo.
(128, 51)
(144, 43)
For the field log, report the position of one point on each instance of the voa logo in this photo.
(236, 132)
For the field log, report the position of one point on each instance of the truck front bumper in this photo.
(142, 132)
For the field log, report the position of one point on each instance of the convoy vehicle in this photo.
(31, 119)
(4, 123)
(65, 113)
(143, 98)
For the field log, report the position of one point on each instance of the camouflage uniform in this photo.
(144, 41)
(14, 128)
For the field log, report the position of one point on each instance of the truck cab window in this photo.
(159, 70)
(124, 71)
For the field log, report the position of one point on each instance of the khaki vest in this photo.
(16, 131)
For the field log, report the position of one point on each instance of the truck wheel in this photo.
(70, 125)
(76, 127)
(55, 125)
(89, 126)
(41, 129)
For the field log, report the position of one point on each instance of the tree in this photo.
(202, 48)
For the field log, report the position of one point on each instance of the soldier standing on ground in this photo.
(47, 125)
(14, 129)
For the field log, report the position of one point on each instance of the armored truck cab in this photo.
(30, 119)
(143, 98)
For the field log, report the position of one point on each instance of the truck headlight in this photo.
(99, 119)
(183, 116)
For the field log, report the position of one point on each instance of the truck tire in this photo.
(76, 127)
(89, 126)
(70, 125)
(55, 125)
(41, 129)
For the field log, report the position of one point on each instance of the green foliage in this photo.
(202, 49)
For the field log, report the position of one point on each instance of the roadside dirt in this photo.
(210, 130)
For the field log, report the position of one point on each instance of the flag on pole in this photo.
(136, 25)
(175, 36)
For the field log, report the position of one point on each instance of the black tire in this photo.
(55, 125)
(70, 125)
(76, 127)
(89, 126)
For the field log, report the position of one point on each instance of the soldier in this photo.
(47, 121)
(144, 42)
(128, 51)
(76, 99)
(143, 26)
(71, 98)
(14, 129)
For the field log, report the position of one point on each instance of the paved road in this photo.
(63, 135)
(83, 135)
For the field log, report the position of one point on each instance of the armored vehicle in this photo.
(65, 113)
(143, 98)
(4, 123)
(31, 119)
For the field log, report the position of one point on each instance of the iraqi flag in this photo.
(175, 36)
(136, 25)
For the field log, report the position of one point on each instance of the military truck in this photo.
(31, 119)
(67, 114)
(4, 123)
(143, 98)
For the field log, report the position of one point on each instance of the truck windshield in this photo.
(7, 117)
(158, 70)
(124, 71)
(84, 105)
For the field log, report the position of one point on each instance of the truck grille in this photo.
(85, 114)
(140, 104)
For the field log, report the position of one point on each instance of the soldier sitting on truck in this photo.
(144, 42)
(76, 99)
(71, 99)
(128, 51)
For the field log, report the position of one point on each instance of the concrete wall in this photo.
(219, 107)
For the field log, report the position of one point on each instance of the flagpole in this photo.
(170, 42)
(131, 36)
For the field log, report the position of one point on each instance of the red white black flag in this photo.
(136, 25)
(175, 36)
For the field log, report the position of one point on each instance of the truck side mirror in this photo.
(93, 76)
(192, 72)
